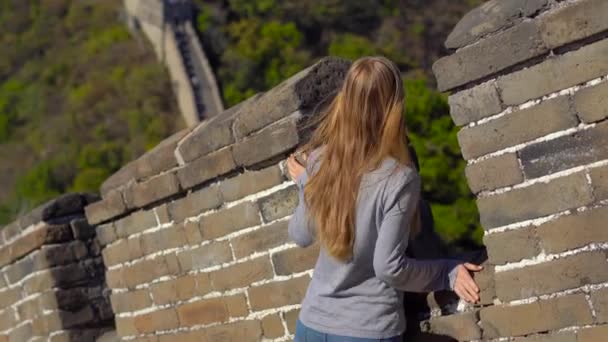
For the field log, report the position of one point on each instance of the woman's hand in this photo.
(464, 285)
(294, 167)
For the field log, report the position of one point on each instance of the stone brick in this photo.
(516, 128)
(262, 239)
(554, 196)
(500, 245)
(279, 204)
(135, 223)
(295, 260)
(565, 152)
(303, 91)
(135, 247)
(241, 331)
(592, 103)
(486, 283)
(573, 231)
(195, 203)
(555, 74)
(599, 181)
(553, 276)
(20, 269)
(271, 141)
(203, 284)
(115, 278)
(241, 274)
(192, 233)
(21, 333)
(277, 294)
(145, 271)
(474, 104)
(272, 326)
(81, 229)
(489, 56)
(460, 326)
(206, 168)
(7, 319)
(170, 291)
(166, 238)
(206, 256)
(593, 334)
(494, 173)
(204, 311)
(106, 233)
(140, 194)
(9, 296)
(229, 220)
(125, 326)
(28, 309)
(250, 182)
(116, 253)
(548, 337)
(599, 299)
(160, 158)
(111, 206)
(130, 300)
(162, 213)
(490, 17)
(157, 320)
(577, 21)
(237, 305)
(517, 320)
(290, 319)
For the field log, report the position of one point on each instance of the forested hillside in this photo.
(79, 97)
(254, 44)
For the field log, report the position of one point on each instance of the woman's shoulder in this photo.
(398, 174)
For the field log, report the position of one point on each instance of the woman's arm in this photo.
(390, 261)
(300, 228)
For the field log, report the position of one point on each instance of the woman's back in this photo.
(363, 297)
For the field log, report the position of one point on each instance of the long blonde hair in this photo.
(361, 126)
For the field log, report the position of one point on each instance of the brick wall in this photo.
(194, 233)
(52, 276)
(529, 83)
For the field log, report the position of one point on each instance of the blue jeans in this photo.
(306, 334)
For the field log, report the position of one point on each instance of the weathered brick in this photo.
(204, 311)
(279, 204)
(517, 320)
(549, 337)
(573, 231)
(555, 74)
(272, 326)
(140, 194)
(494, 173)
(460, 326)
(162, 212)
(553, 276)
(170, 291)
(303, 90)
(486, 283)
(28, 309)
(130, 300)
(295, 260)
(554, 196)
(21, 333)
(237, 305)
(192, 233)
(599, 299)
(157, 320)
(195, 203)
(262, 239)
(490, 17)
(9, 296)
(135, 247)
(20, 269)
(115, 278)
(206, 168)
(241, 331)
(271, 141)
(241, 274)
(500, 245)
(111, 206)
(565, 152)
(229, 220)
(593, 334)
(290, 319)
(474, 104)
(206, 256)
(489, 56)
(277, 294)
(516, 128)
(599, 181)
(203, 284)
(160, 158)
(135, 223)
(81, 229)
(145, 271)
(125, 326)
(166, 238)
(250, 182)
(188, 336)
(577, 21)
(116, 253)
(106, 233)
(592, 103)
(7, 319)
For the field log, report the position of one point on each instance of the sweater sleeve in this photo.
(391, 263)
(300, 228)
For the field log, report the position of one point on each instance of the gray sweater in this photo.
(364, 297)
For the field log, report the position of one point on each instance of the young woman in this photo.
(358, 196)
